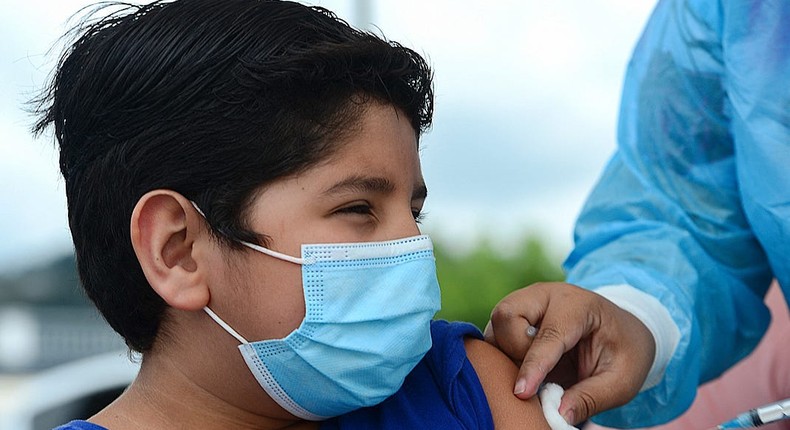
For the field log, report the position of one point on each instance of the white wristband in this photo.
(655, 317)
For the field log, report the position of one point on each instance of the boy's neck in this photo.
(164, 397)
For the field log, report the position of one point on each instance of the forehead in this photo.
(382, 141)
(380, 149)
(378, 159)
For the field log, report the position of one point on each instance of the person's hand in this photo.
(598, 352)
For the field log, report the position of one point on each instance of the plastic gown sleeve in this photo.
(703, 133)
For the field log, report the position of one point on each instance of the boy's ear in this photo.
(164, 228)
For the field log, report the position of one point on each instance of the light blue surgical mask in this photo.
(368, 308)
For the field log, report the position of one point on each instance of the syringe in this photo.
(757, 417)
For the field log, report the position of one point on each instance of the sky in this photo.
(527, 94)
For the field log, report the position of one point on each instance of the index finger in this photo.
(560, 330)
(509, 329)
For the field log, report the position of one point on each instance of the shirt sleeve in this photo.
(670, 214)
(460, 386)
(79, 425)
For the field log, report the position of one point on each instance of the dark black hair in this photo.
(212, 99)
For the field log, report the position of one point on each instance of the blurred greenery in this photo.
(474, 281)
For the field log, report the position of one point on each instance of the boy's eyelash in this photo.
(357, 209)
(419, 216)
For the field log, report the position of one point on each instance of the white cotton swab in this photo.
(550, 396)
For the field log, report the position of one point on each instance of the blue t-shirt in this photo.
(441, 393)
(80, 425)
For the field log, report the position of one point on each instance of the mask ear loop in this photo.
(267, 251)
(225, 325)
(194, 205)
(278, 255)
(258, 248)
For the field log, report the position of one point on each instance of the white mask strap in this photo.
(198, 209)
(259, 248)
(275, 254)
(225, 325)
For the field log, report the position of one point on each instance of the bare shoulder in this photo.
(497, 374)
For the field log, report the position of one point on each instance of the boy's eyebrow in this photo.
(358, 183)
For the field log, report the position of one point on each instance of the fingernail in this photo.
(521, 386)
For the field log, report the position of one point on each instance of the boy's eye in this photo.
(360, 209)
(365, 209)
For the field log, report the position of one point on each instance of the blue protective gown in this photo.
(694, 207)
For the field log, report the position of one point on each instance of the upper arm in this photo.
(497, 375)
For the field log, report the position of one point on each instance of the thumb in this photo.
(591, 396)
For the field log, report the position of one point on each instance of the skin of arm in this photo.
(497, 374)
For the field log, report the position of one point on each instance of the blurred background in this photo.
(527, 95)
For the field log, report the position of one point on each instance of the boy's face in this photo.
(371, 189)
